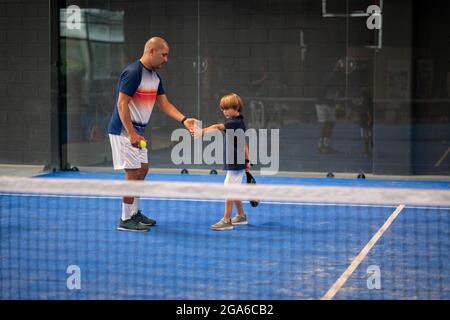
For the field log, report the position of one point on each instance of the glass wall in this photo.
(349, 85)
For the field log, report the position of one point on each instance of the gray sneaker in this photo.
(222, 225)
(239, 219)
(146, 221)
(132, 225)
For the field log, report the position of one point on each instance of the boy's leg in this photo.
(228, 209)
(240, 218)
(240, 209)
(225, 222)
(233, 177)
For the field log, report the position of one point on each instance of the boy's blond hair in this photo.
(231, 101)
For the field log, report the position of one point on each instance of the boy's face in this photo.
(230, 112)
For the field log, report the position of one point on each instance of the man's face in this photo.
(160, 56)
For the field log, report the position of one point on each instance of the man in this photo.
(363, 106)
(331, 87)
(138, 89)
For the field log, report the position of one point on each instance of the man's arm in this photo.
(173, 112)
(125, 117)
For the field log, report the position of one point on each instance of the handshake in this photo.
(195, 127)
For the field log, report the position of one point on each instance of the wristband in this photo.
(183, 120)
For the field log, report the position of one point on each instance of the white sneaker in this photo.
(239, 219)
(222, 225)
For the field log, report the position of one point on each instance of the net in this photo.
(59, 241)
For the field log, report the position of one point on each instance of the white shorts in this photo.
(124, 155)
(234, 177)
(325, 112)
(365, 132)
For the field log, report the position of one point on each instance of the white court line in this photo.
(221, 200)
(438, 163)
(360, 257)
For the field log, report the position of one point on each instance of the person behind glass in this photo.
(139, 88)
(231, 106)
(330, 88)
(364, 108)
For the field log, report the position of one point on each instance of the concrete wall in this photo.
(24, 82)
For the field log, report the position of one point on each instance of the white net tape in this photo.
(190, 190)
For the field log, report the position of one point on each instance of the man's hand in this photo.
(190, 124)
(134, 140)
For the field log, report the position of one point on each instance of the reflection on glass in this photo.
(92, 55)
(387, 112)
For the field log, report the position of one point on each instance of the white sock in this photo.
(126, 211)
(135, 206)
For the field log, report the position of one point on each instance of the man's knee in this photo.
(143, 170)
(132, 174)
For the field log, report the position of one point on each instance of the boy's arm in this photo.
(218, 126)
(247, 158)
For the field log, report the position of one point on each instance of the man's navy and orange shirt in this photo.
(143, 86)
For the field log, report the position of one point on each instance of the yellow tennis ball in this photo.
(142, 144)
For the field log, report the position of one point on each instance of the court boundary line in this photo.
(362, 254)
(221, 201)
(444, 155)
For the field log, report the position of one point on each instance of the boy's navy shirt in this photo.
(238, 148)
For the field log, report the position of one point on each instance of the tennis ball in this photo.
(142, 144)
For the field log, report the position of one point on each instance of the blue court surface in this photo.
(287, 251)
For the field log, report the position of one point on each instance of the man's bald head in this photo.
(155, 43)
(156, 53)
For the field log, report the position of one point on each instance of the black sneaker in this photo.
(146, 221)
(132, 225)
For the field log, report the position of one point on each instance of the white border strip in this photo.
(438, 163)
(356, 262)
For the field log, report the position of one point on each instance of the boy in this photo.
(231, 106)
